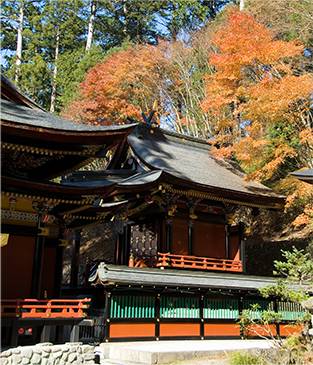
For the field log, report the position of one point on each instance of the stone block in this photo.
(16, 350)
(25, 361)
(44, 344)
(87, 348)
(56, 348)
(72, 357)
(36, 359)
(16, 358)
(46, 349)
(64, 357)
(6, 353)
(37, 350)
(27, 353)
(57, 355)
(89, 356)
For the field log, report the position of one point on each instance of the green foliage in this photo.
(290, 19)
(283, 291)
(297, 267)
(73, 66)
(245, 358)
(116, 22)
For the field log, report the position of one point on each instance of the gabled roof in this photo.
(37, 118)
(189, 163)
(39, 145)
(305, 175)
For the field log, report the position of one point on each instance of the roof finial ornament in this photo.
(149, 120)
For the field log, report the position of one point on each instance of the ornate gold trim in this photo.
(48, 152)
(202, 195)
(52, 200)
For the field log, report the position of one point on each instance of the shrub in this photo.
(245, 358)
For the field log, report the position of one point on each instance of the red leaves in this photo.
(124, 85)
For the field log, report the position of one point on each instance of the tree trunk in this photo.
(19, 43)
(242, 5)
(55, 71)
(91, 24)
(125, 26)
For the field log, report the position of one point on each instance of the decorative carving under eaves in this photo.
(15, 215)
(17, 163)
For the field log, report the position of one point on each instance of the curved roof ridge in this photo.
(180, 136)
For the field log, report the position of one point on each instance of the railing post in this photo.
(48, 311)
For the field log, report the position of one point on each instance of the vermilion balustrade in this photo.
(48, 308)
(195, 262)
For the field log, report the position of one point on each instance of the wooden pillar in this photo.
(242, 246)
(201, 302)
(169, 234)
(74, 335)
(227, 233)
(190, 237)
(124, 245)
(75, 258)
(157, 316)
(118, 248)
(58, 271)
(37, 263)
(107, 318)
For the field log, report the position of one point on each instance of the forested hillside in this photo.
(240, 77)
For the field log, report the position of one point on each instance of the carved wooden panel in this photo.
(144, 242)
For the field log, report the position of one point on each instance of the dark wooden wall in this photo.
(16, 267)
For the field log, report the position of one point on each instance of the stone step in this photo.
(118, 362)
(213, 352)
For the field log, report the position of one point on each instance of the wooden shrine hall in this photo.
(170, 260)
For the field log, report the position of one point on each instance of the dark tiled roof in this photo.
(190, 160)
(116, 180)
(19, 114)
(304, 175)
(112, 274)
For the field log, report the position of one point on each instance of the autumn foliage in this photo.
(126, 84)
(262, 102)
(235, 83)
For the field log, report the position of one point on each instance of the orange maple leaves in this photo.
(254, 85)
(124, 85)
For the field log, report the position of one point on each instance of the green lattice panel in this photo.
(221, 308)
(290, 311)
(132, 306)
(179, 307)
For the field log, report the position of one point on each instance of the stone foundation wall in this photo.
(49, 354)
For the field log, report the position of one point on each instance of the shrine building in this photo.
(167, 259)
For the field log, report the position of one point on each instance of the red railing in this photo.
(200, 263)
(47, 308)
